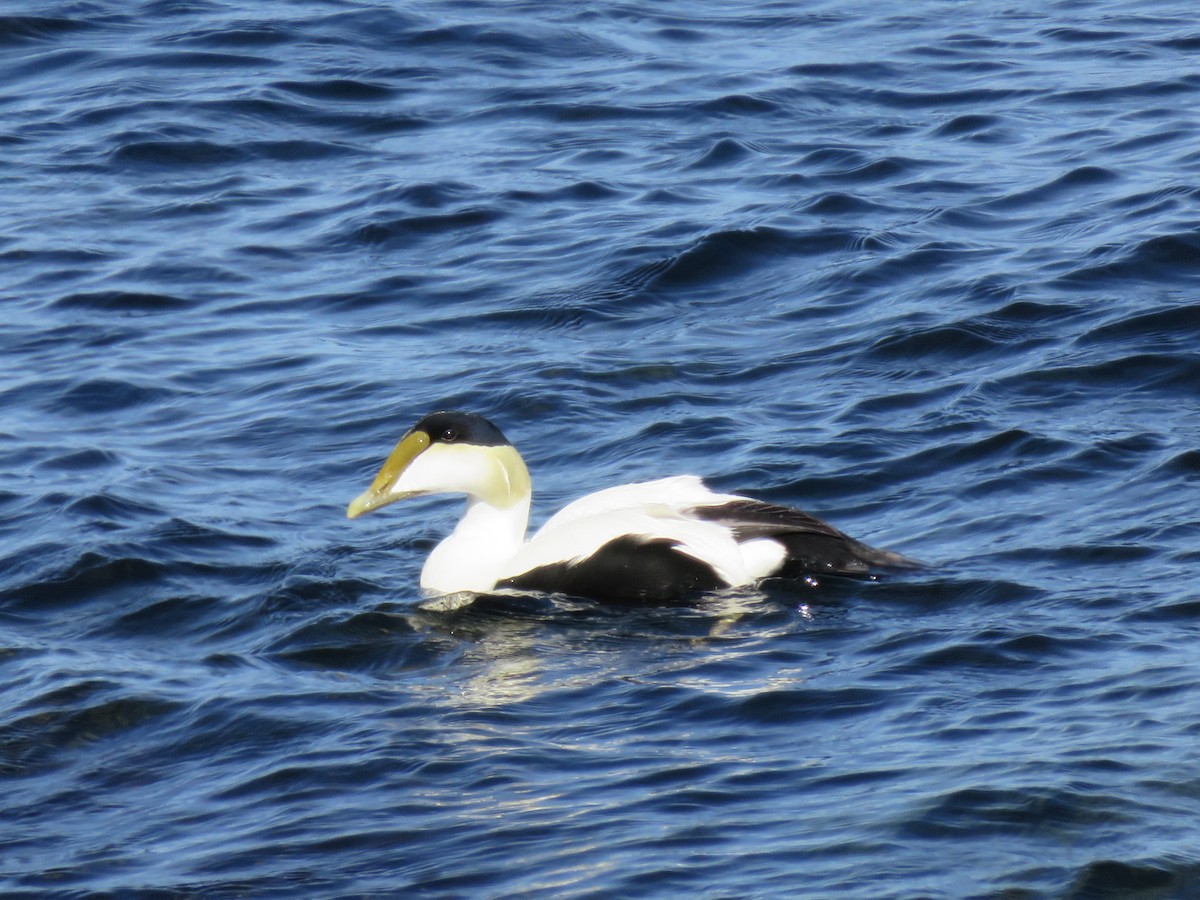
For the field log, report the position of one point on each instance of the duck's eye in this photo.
(450, 435)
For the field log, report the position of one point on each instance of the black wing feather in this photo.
(812, 546)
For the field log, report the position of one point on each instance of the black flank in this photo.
(625, 570)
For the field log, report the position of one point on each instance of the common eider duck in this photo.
(650, 542)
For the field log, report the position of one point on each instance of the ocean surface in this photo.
(928, 270)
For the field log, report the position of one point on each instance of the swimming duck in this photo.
(651, 542)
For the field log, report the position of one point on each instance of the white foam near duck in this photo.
(653, 541)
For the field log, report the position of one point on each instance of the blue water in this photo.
(928, 270)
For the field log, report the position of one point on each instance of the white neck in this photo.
(474, 555)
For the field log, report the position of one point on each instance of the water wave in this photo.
(930, 283)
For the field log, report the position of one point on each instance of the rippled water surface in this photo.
(929, 270)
